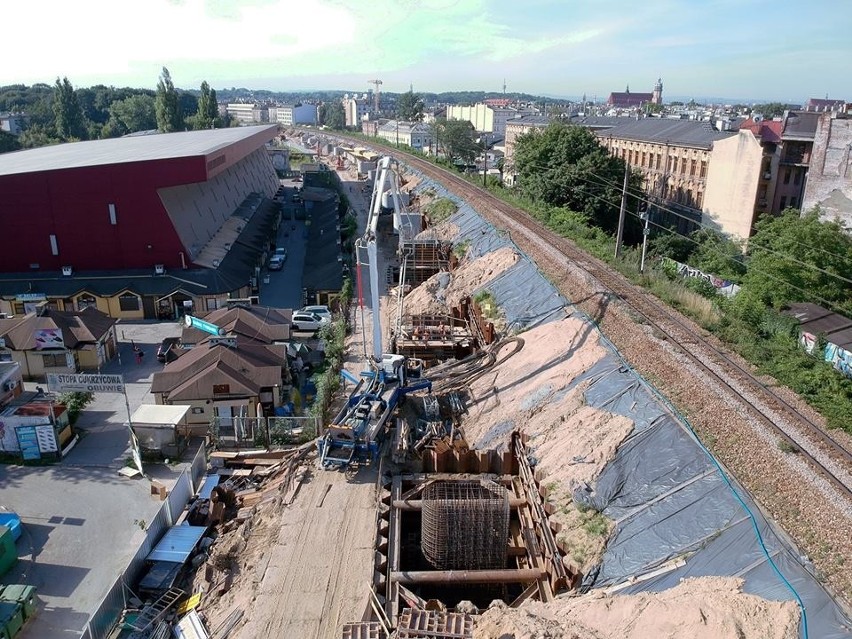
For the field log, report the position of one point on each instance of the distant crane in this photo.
(377, 93)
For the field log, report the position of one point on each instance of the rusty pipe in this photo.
(521, 575)
(417, 504)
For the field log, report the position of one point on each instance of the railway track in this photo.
(801, 433)
(828, 457)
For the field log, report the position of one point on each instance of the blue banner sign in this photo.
(201, 325)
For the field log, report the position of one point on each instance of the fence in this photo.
(262, 432)
(104, 619)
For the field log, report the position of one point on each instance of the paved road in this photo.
(284, 289)
(82, 521)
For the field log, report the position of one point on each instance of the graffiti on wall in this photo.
(724, 287)
(808, 342)
(840, 358)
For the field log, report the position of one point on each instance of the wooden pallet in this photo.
(363, 630)
(434, 624)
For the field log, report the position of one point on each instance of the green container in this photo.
(8, 551)
(11, 617)
(22, 594)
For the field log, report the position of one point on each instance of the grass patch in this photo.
(460, 249)
(488, 304)
(440, 209)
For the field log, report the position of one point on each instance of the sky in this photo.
(744, 49)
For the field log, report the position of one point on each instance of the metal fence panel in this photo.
(180, 495)
(199, 468)
(291, 430)
(104, 619)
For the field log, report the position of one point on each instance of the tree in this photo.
(8, 142)
(335, 116)
(70, 122)
(136, 113)
(793, 258)
(565, 166)
(409, 107)
(455, 138)
(36, 136)
(718, 255)
(167, 105)
(771, 109)
(208, 110)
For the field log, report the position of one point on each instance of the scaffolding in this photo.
(465, 525)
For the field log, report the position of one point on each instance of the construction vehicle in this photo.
(355, 434)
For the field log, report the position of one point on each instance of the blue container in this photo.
(12, 522)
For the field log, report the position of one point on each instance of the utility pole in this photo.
(622, 212)
(485, 157)
(643, 215)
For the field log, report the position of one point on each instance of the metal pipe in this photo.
(417, 504)
(522, 575)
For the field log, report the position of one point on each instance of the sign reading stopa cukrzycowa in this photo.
(83, 383)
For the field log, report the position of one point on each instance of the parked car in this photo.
(282, 252)
(306, 321)
(322, 311)
(166, 351)
(276, 262)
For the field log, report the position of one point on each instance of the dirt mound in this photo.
(698, 608)
(444, 232)
(442, 291)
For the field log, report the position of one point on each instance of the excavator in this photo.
(357, 431)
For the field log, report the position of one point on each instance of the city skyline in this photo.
(718, 48)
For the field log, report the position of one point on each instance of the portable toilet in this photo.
(8, 551)
(22, 594)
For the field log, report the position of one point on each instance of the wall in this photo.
(73, 205)
(480, 115)
(732, 182)
(829, 182)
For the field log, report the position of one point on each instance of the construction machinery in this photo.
(357, 431)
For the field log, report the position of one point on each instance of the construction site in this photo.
(494, 469)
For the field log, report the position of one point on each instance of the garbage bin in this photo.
(22, 594)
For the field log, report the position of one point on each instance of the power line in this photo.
(808, 294)
(763, 248)
(606, 182)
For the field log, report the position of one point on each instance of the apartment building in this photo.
(673, 157)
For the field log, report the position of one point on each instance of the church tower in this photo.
(657, 95)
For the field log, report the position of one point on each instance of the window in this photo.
(112, 219)
(128, 302)
(54, 247)
(692, 168)
(703, 169)
(221, 389)
(783, 203)
(787, 176)
(54, 360)
(793, 202)
(213, 303)
(85, 301)
(797, 177)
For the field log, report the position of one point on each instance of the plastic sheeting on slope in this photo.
(667, 496)
(670, 501)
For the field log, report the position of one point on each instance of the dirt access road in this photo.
(320, 562)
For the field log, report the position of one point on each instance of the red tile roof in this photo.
(766, 130)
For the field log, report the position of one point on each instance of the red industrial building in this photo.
(163, 218)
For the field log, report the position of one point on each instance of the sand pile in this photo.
(698, 608)
(531, 389)
(442, 291)
(443, 232)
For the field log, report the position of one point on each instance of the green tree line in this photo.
(63, 113)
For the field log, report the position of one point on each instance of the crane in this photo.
(357, 430)
(376, 95)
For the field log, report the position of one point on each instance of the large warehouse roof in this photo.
(128, 149)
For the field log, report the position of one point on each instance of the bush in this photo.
(75, 403)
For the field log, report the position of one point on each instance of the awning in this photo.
(177, 544)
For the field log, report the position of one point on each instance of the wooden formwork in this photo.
(434, 624)
(363, 630)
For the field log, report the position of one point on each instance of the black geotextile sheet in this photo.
(668, 498)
